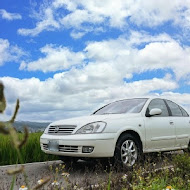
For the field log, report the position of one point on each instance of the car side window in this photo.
(159, 103)
(185, 114)
(175, 110)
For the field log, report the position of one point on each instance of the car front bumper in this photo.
(72, 145)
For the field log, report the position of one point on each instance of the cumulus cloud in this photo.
(102, 71)
(77, 34)
(9, 16)
(9, 52)
(56, 58)
(48, 23)
(155, 52)
(99, 76)
(78, 17)
(89, 15)
(68, 96)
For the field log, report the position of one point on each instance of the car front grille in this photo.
(61, 129)
(67, 148)
(63, 148)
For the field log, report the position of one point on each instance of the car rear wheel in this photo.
(128, 151)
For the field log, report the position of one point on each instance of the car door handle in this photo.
(171, 122)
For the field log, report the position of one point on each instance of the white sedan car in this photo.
(123, 130)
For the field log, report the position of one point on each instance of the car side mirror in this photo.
(155, 111)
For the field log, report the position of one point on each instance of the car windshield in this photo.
(123, 106)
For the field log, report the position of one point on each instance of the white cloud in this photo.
(77, 35)
(9, 16)
(9, 52)
(156, 52)
(77, 18)
(83, 15)
(56, 58)
(80, 91)
(67, 95)
(120, 57)
(48, 23)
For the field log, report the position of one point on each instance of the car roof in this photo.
(145, 97)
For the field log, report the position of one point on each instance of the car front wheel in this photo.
(188, 148)
(68, 160)
(128, 151)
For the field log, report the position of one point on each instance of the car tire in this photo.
(68, 160)
(127, 152)
(188, 148)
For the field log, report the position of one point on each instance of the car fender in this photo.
(130, 128)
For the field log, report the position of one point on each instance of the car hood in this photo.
(80, 121)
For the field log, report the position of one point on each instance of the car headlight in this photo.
(46, 130)
(95, 127)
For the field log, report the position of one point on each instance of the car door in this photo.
(160, 133)
(180, 120)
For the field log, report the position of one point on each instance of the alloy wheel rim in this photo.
(129, 152)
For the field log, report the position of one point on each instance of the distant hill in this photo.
(32, 126)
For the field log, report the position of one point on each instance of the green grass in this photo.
(30, 152)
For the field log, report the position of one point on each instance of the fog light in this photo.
(87, 149)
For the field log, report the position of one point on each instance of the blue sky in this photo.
(67, 58)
